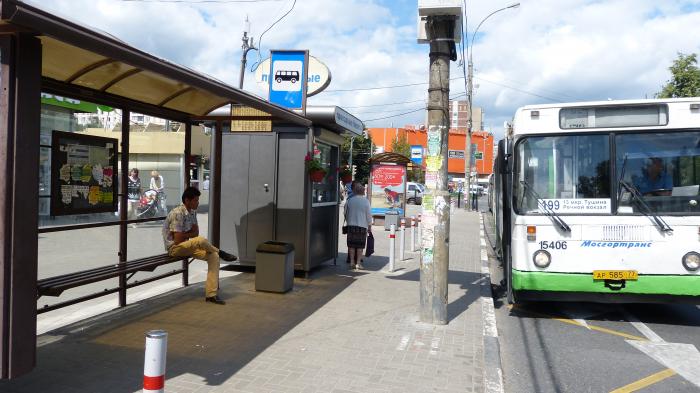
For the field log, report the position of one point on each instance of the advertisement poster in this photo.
(83, 174)
(388, 188)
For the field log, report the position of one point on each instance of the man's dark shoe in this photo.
(226, 256)
(215, 300)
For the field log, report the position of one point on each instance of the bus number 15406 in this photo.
(558, 245)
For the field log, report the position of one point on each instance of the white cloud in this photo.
(546, 50)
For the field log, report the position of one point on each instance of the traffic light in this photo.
(354, 170)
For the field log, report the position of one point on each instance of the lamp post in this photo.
(470, 88)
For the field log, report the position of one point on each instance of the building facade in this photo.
(482, 147)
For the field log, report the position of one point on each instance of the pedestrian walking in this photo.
(133, 191)
(181, 239)
(359, 221)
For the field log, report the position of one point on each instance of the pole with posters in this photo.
(434, 262)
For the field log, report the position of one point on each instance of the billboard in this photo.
(387, 189)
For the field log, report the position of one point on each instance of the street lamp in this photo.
(470, 88)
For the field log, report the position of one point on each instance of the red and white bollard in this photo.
(413, 233)
(402, 246)
(392, 246)
(419, 230)
(154, 362)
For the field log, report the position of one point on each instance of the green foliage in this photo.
(400, 145)
(685, 78)
(361, 152)
(313, 164)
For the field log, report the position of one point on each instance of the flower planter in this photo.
(317, 176)
(346, 178)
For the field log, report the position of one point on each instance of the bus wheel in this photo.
(508, 273)
(279, 80)
(294, 80)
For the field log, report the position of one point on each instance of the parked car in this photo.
(414, 193)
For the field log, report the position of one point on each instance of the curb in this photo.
(493, 372)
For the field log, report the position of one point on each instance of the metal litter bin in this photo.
(391, 217)
(274, 267)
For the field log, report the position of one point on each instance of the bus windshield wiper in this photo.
(645, 208)
(542, 205)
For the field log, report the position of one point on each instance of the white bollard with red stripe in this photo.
(154, 362)
(413, 233)
(402, 246)
(392, 246)
(419, 231)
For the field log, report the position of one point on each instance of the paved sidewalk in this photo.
(338, 331)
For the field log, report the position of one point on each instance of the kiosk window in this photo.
(326, 190)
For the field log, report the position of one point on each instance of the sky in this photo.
(544, 51)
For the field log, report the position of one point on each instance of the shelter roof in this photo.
(93, 62)
(389, 157)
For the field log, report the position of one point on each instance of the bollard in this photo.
(392, 246)
(419, 232)
(413, 233)
(154, 362)
(402, 242)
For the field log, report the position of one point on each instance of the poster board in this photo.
(387, 188)
(83, 174)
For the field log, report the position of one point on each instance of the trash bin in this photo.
(274, 267)
(391, 217)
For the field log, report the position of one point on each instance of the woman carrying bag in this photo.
(358, 218)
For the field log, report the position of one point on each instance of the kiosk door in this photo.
(247, 193)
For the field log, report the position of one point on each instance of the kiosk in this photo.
(266, 193)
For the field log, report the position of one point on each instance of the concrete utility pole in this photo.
(247, 46)
(436, 204)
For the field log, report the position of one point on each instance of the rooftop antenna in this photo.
(248, 45)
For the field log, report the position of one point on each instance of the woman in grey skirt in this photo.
(358, 218)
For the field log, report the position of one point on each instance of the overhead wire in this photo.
(255, 65)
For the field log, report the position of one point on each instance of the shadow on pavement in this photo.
(468, 283)
(205, 341)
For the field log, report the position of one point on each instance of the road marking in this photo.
(681, 358)
(644, 382)
(589, 327)
(404, 342)
(644, 329)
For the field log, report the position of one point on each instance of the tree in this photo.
(400, 145)
(685, 78)
(361, 152)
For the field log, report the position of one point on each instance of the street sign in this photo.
(478, 155)
(455, 154)
(417, 154)
(288, 71)
(319, 75)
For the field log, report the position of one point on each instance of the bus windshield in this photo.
(663, 167)
(570, 173)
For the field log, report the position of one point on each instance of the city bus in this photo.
(598, 201)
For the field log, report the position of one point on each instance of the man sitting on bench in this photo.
(181, 238)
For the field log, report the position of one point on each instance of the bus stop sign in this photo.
(288, 78)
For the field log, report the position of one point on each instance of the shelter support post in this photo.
(123, 202)
(20, 110)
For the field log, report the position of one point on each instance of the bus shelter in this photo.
(78, 109)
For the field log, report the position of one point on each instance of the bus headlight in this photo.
(541, 258)
(691, 261)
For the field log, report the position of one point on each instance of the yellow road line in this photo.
(592, 327)
(644, 382)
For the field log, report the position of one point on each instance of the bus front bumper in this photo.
(673, 285)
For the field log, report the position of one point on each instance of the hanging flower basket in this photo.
(346, 179)
(345, 174)
(317, 175)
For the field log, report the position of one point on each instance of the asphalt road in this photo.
(588, 347)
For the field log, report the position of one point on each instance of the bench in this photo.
(54, 286)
